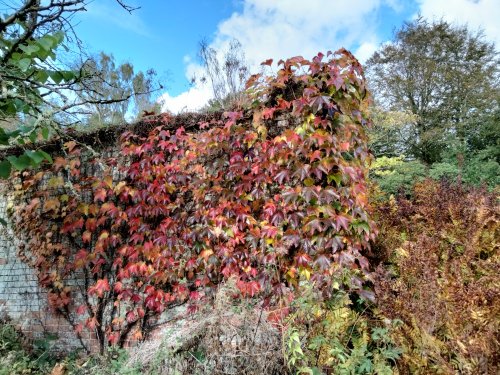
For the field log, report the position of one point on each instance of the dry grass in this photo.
(227, 337)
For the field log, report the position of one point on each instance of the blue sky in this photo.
(159, 35)
(164, 34)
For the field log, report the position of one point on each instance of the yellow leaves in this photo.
(479, 316)
(104, 235)
(217, 231)
(262, 131)
(401, 252)
(229, 232)
(108, 181)
(309, 181)
(292, 272)
(83, 208)
(55, 182)
(462, 347)
(305, 272)
(120, 187)
(57, 284)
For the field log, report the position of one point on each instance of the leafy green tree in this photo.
(390, 132)
(36, 92)
(446, 75)
(28, 76)
(396, 175)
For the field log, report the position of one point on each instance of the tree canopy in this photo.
(38, 94)
(447, 76)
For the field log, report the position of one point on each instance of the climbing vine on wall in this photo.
(177, 212)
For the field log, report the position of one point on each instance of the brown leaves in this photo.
(452, 250)
(51, 205)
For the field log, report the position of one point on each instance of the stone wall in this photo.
(21, 300)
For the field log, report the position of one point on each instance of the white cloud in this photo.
(191, 100)
(478, 14)
(284, 28)
(365, 51)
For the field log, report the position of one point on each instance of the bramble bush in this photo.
(176, 213)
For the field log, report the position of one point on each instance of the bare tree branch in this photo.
(128, 8)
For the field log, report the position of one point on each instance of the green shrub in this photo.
(447, 171)
(112, 362)
(482, 171)
(19, 356)
(337, 335)
(395, 175)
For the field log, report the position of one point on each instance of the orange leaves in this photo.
(268, 62)
(344, 146)
(86, 236)
(99, 288)
(267, 113)
(100, 195)
(90, 224)
(59, 163)
(108, 181)
(81, 258)
(248, 288)
(205, 254)
(70, 145)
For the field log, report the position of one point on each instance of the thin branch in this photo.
(128, 8)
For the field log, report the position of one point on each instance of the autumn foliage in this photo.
(439, 276)
(176, 212)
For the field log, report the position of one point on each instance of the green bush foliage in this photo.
(19, 356)
(338, 335)
(395, 175)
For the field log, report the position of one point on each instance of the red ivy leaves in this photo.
(254, 201)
